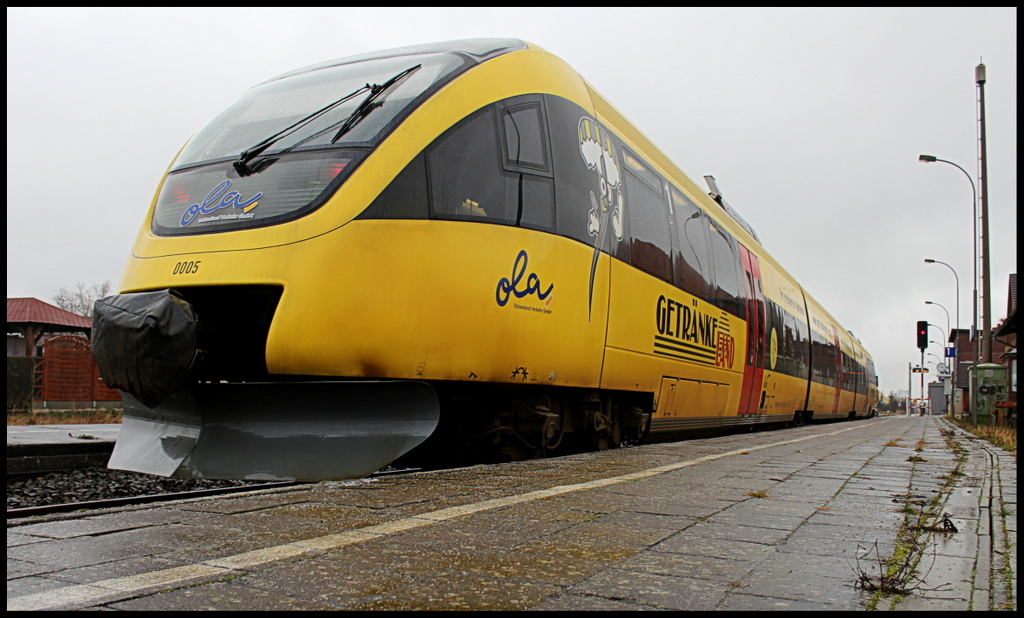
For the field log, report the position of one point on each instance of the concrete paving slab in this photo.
(217, 596)
(23, 568)
(753, 517)
(14, 539)
(31, 584)
(684, 543)
(737, 532)
(741, 601)
(84, 551)
(462, 591)
(792, 578)
(690, 566)
(587, 603)
(663, 591)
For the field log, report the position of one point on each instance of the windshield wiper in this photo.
(362, 110)
(242, 163)
(370, 103)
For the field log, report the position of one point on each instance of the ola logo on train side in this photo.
(508, 287)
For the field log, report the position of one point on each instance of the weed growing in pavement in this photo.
(896, 575)
(899, 575)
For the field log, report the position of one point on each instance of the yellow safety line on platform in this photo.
(80, 594)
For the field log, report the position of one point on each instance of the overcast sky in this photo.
(811, 120)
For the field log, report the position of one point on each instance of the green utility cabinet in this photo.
(989, 383)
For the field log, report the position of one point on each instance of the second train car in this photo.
(463, 235)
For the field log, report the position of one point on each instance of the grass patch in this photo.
(1003, 437)
(100, 416)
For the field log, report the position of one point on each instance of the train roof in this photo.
(475, 50)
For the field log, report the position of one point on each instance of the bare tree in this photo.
(80, 299)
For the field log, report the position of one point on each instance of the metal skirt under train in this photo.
(296, 430)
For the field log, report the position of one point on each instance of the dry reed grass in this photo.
(1003, 437)
(102, 416)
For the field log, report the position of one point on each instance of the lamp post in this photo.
(928, 302)
(974, 324)
(956, 343)
(955, 277)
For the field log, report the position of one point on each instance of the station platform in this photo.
(782, 520)
(43, 448)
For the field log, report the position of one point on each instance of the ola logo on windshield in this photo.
(210, 204)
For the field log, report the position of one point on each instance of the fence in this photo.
(67, 373)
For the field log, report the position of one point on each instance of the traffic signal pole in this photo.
(922, 381)
(922, 344)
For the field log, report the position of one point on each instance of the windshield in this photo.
(275, 105)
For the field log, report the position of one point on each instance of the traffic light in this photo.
(922, 334)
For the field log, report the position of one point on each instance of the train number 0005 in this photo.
(186, 268)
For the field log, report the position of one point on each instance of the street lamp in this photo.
(928, 302)
(974, 204)
(956, 343)
(957, 278)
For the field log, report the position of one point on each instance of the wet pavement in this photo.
(764, 521)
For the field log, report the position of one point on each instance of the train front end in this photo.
(244, 254)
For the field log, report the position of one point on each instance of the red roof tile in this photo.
(33, 310)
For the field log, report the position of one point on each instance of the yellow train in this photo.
(463, 235)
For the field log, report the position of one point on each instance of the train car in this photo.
(461, 239)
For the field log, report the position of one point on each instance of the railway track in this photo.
(148, 490)
(142, 499)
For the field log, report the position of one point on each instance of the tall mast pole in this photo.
(986, 290)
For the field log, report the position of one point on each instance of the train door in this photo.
(855, 383)
(752, 395)
(839, 370)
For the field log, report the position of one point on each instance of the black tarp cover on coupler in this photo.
(144, 343)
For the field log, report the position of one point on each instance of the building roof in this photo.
(35, 311)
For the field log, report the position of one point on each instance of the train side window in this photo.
(405, 197)
(466, 177)
(726, 257)
(824, 355)
(525, 147)
(525, 151)
(538, 203)
(691, 259)
(650, 233)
